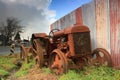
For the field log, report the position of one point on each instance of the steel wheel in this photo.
(39, 58)
(23, 53)
(101, 57)
(58, 62)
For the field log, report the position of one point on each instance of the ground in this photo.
(38, 74)
(10, 69)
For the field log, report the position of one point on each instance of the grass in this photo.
(7, 64)
(24, 69)
(46, 70)
(4, 73)
(71, 75)
(92, 73)
(88, 73)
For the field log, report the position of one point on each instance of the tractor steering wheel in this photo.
(51, 33)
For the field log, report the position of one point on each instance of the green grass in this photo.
(88, 73)
(92, 73)
(46, 70)
(4, 73)
(71, 75)
(7, 64)
(24, 69)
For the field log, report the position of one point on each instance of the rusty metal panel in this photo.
(102, 24)
(78, 15)
(82, 43)
(70, 19)
(88, 14)
(66, 21)
(115, 31)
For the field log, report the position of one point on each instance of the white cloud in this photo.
(52, 20)
(51, 13)
(39, 4)
(34, 14)
(51, 16)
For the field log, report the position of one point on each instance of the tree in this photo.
(17, 37)
(10, 28)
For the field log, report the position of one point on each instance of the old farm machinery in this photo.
(65, 49)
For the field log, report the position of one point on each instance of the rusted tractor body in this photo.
(41, 48)
(65, 49)
(73, 50)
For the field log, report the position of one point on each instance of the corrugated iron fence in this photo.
(115, 31)
(103, 19)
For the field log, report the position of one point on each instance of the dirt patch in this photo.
(38, 74)
(12, 75)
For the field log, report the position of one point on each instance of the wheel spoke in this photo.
(57, 62)
(57, 58)
(23, 52)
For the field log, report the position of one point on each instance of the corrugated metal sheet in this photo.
(115, 31)
(102, 24)
(78, 15)
(65, 21)
(72, 18)
(88, 14)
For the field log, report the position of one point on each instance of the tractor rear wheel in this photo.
(101, 57)
(24, 53)
(39, 57)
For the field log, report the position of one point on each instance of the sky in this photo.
(37, 15)
(63, 7)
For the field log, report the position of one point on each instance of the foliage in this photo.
(10, 28)
(17, 36)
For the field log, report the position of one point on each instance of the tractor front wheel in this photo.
(58, 62)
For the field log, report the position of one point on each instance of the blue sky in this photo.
(63, 7)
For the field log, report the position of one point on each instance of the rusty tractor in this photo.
(66, 49)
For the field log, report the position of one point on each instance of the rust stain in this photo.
(78, 13)
(101, 23)
(88, 15)
(64, 22)
(115, 31)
